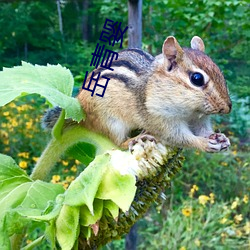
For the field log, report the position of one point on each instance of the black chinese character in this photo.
(97, 55)
(106, 36)
(108, 61)
(96, 83)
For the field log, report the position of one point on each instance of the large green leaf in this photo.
(83, 152)
(83, 189)
(53, 82)
(118, 188)
(9, 168)
(67, 226)
(21, 197)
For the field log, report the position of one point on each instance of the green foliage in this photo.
(52, 82)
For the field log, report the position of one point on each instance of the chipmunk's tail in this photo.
(50, 118)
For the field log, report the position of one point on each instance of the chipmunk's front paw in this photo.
(141, 139)
(218, 142)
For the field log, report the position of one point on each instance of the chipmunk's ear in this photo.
(197, 43)
(172, 50)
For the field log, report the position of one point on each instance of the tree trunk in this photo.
(134, 23)
(131, 238)
(85, 30)
(59, 16)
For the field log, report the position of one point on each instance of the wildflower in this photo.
(223, 235)
(4, 134)
(6, 113)
(234, 152)
(182, 248)
(235, 203)
(73, 168)
(23, 164)
(65, 163)
(186, 211)
(193, 190)
(245, 199)
(223, 220)
(247, 227)
(238, 233)
(35, 159)
(77, 162)
(14, 123)
(70, 178)
(65, 185)
(211, 195)
(55, 178)
(29, 124)
(238, 218)
(197, 242)
(224, 164)
(203, 199)
(24, 154)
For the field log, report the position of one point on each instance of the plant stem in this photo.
(57, 147)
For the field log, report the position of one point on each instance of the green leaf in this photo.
(58, 127)
(53, 82)
(83, 152)
(39, 194)
(67, 226)
(112, 208)
(83, 189)
(6, 186)
(118, 188)
(86, 218)
(9, 168)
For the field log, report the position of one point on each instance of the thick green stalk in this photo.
(57, 147)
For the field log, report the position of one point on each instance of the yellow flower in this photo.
(70, 178)
(245, 199)
(65, 185)
(24, 154)
(238, 218)
(23, 164)
(29, 124)
(35, 159)
(211, 195)
(193, 190)
(187, 211)
(4, 134)
(203, 199)
(238, 233)
(6, 113)
(77, 162)
(12, 105)
(197, 242)
(65, 163)
(235, 203)
(55, 178)
(182, 248)
(73, 168)
(225, 164)
(14, 123)
(223, 220)
(234, 152)
(223, 235)
(247, 227)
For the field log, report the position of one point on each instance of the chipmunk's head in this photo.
(199, 78)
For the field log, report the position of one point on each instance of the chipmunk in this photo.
(170, 96)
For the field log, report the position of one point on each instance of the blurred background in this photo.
(207, 206)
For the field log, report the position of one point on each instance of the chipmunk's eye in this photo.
(197, 79)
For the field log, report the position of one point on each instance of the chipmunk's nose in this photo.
(227, 108)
